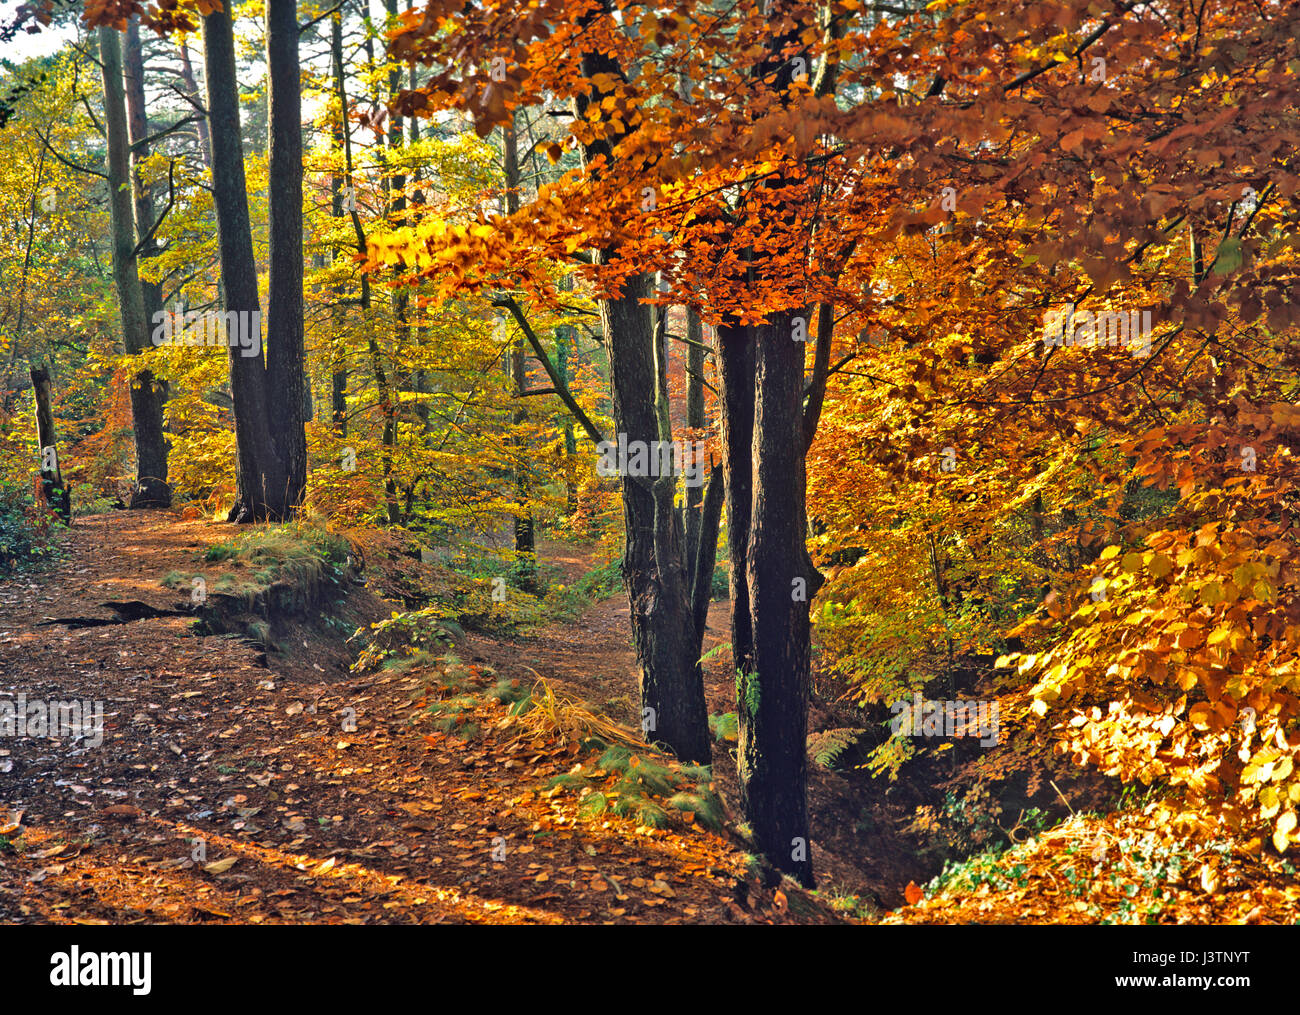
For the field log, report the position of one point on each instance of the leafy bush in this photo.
(25, 531)
(721, 585)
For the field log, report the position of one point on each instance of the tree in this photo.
(127, 204)
(265, 481)
(284, 354)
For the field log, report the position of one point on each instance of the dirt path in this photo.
(226, 791)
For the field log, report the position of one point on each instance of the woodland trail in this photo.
(227, 791)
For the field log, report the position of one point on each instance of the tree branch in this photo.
(171, 201)
(164, 132)
(561, 389)
(68, 162)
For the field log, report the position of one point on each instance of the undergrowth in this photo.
(642, 786)
(296, 558)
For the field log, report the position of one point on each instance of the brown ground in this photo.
(300, 819)
(594, 661)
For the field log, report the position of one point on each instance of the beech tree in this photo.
(132, 220)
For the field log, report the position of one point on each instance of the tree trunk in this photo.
(284, 318)
(57, 495)
(525, 545)
(339, 366)
(734, 352)
(672, 686)
(263, 482)
(136, 305)
(563, 343)
(773, 689)
(762, 370)
(694, 420)
(192, 90)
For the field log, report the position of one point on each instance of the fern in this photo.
(827, 746)
(748, 691)
(712, 653)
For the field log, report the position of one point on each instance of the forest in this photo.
(649, 462)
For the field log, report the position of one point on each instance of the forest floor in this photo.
(225, 791)
(236, 784)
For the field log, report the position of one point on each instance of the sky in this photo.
(25, 46)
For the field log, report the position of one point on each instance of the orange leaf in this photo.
(913, 893)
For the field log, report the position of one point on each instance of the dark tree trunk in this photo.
(734, 353)
(137, 303)
(263, 482)
(672, 686)
(765, 440)
(339, 366)
(525, 545)
(57, 495)
(706, 551)
(662, 619)
(284, 318)
(773, 689)
(563, 343)
(694, 420)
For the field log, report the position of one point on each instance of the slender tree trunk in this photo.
(192, 90)
(706, 551)
(284, 319)
(525, 546)
(57, 495)
(694, 420)
(387, 403)
(146, 400)
(339, 366)
(563, 345)
(736, 370)
(148, 393)
(17, 340)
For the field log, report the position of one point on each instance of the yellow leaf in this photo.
(1211, 593)
(221, 866)
(1286, 823)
